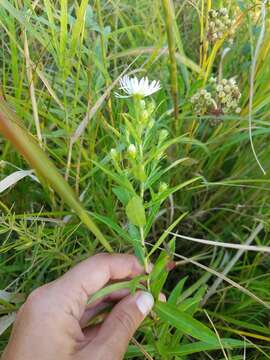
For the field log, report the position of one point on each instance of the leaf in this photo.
(165, 194)
(199, 346)
(13, 178)
(122, 194)
(188, 349)
(139, 173)
(174, 295)
(111, 224)
(159, 274)
(120, 180)
(135, 211)
(131, 284)
(154, 177)
(15, 298)
(135, 236)
(6, 321)
(166, 233)
(151, 218)
(185, 323)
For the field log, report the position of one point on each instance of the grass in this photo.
(60, 64)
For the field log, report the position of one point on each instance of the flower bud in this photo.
(145, 116)
(114, 154)
(219, 87)
(151, 123)
(132, 151)
(238, 110)
(162, 187)
(142, 104)
(227, 88)
(221, 94)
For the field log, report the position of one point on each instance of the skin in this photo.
(51, 323)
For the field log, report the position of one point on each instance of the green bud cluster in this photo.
(163, 187)
(221, 97)
(219, 24)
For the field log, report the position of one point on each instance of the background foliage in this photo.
(59, 63)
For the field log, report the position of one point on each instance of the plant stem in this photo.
(141, 159)
(167, 6)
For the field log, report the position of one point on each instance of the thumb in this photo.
(121, 324)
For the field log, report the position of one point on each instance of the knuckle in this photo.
(36, 298)
(125, 320)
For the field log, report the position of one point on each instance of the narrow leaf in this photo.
(13, 178)
(6, 321)
(185, 323)
(135, 211)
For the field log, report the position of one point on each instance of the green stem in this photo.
(169, 20)
(141, 160)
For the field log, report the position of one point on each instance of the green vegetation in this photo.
(84, 171)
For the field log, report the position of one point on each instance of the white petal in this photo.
(134, 86)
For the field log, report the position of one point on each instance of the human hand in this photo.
(50, 324)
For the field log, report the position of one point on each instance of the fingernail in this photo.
(145, 302)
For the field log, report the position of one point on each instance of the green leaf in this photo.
(185, 322)
(120, 180)
(159, 274)
(199, 346)
(112, 225)
(122, 194)
(139, 173)
(165, 194)
(173, 298)
(188, 349)
(133, 284)
(166, 233)
(135, 211)
(136, 240)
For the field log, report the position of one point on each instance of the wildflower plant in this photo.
(219, 24)
(220, 97)
(136, 167)
(137, 156)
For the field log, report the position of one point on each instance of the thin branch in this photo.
(252, 79)
(241, 247)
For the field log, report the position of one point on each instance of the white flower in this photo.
(133, 87)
